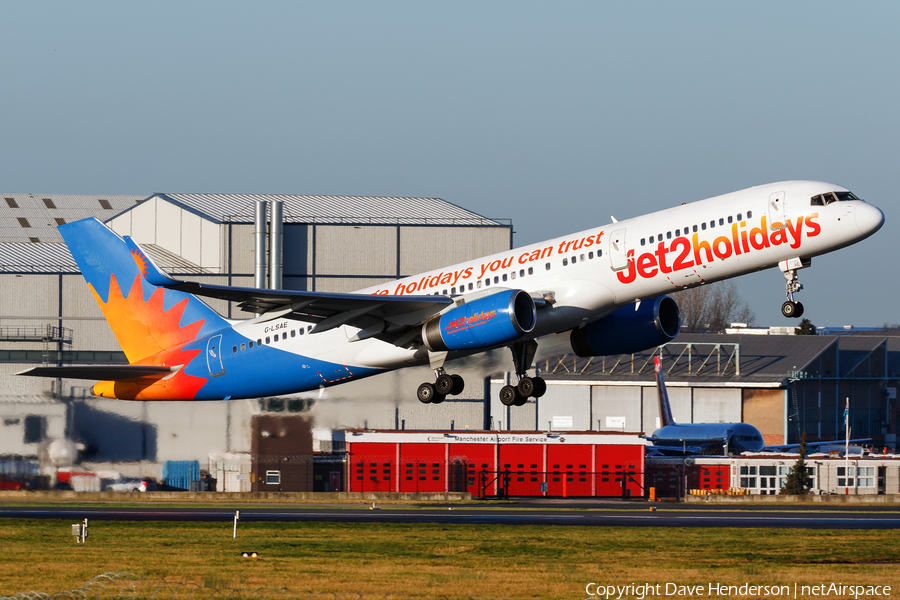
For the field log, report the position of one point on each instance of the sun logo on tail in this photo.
(141, 262)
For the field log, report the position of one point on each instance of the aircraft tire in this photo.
(520, 400)
(799, 312)
(444, 384)
(438, 398)
(789, 309)
(508, 395)
(459, 384)
(526, 387)
(426, 393)
(540, 387)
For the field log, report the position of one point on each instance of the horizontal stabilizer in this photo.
(99, 372)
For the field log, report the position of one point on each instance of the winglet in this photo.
(665, 409)
(149, 270)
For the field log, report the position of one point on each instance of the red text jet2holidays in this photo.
(606, 286)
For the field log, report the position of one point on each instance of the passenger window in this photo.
(487, 282)
(259, 342)
(565, 262)
(293, 333)
(644, 241)
(749, 214)
(531, 269)
(599, 253)
(721, 221)
(250, 345)
(234, 349)
(591, 255)
(522, 272)
(504, 276)
(479, 284)
(470, 287)
(677, 232)
(546, 266)
(739, 217)
(513, 275)
(668, 235)
(703, 226)
(582, 258)
(244, 346)
(651, 239)
(695, 229)
(712, 224)
(284, 335)
(496, 279)
(730, 218)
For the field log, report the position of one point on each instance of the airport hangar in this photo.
(340, 244)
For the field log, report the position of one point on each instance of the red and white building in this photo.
(513, 463)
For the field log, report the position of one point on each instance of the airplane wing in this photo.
(385, 317)
(814, 446)
(99, 372)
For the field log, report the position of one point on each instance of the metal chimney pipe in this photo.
(259, 234)
(276, 245)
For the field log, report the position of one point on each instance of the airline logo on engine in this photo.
(689, 253)
(463, 323)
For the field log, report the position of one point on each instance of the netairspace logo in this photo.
(719, 590)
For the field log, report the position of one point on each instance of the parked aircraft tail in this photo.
(144, 317)
(665, 409)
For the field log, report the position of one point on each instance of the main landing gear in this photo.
(792, 308)
(443, 386)
(517, 395)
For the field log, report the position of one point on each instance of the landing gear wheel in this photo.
(459, 385)
(508, 395)
(438, 398)
(426, 393)
(526, 387)
(540, 387)
(791, 309)
(444, 384)
(520, 400)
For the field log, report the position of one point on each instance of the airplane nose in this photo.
(869, 219)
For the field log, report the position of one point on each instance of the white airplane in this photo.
(605, 285)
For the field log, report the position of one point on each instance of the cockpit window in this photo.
(823, 199)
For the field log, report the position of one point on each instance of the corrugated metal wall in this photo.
(426, 248)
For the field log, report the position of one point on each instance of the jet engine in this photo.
(488, 321)
(632, 328)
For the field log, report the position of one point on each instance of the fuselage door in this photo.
(617, 254)
(214, 356)
(776, 211)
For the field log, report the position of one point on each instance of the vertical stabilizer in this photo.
(665, 409)
(144, 317)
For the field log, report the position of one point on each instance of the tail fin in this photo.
(144, 317)
(665, 409)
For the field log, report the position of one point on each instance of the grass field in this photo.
(429, 561)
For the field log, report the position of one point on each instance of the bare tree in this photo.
(711, 308)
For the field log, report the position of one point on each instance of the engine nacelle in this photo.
(482, 323)
(626, 330)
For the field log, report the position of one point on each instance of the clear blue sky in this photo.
(555, 115)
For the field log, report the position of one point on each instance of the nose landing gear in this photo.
(791, 308)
